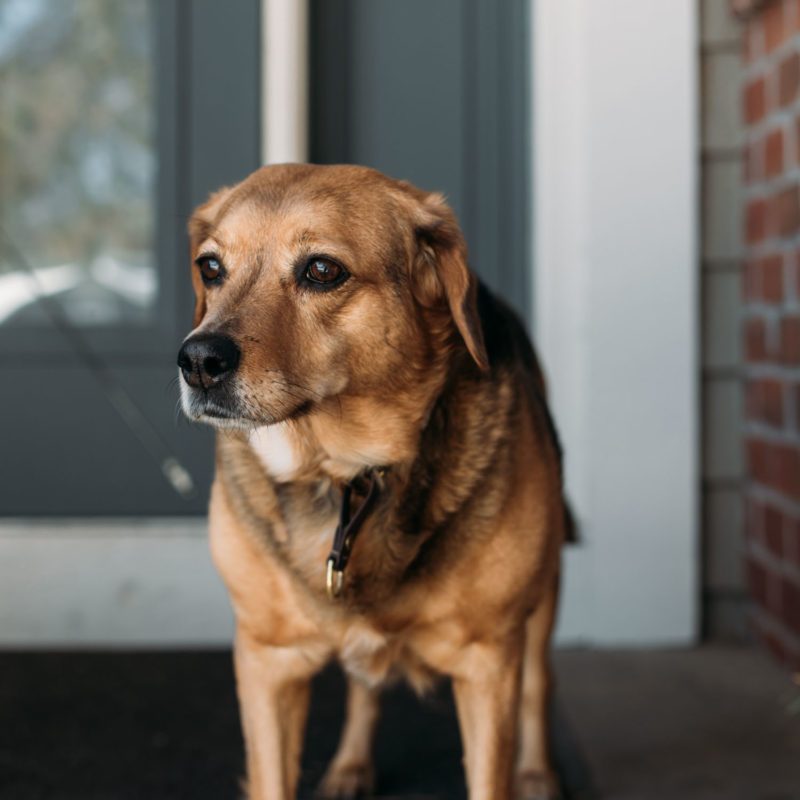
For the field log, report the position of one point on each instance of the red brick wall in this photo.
(771, 325)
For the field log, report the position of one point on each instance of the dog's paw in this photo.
(537, 786)
(347, 782)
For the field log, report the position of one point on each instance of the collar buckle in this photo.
(333, 580)
(344, 537)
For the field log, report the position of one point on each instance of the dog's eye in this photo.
(324, 271)
(210, 269)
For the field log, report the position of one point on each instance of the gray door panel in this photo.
(67, 452)
(435, 92)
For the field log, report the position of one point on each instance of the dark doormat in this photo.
(163, 726)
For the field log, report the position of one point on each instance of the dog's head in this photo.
(318, 282)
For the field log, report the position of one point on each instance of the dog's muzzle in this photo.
(207, 360)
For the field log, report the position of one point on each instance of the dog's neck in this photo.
(465, 419)
(343, 438)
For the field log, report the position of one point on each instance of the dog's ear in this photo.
(201, 225)
(442, 269)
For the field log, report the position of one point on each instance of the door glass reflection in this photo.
(77, 160)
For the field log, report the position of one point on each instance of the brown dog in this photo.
(348, 357)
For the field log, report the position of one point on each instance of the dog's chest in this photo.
(423, 635)
(374, 656)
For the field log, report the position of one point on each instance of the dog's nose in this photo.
(207, 360)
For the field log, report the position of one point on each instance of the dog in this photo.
(388, 485)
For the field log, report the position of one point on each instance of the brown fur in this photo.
(410, 366)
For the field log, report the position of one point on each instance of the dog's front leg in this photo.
(273, 684)
(487, 692)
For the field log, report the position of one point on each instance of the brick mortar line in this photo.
(764, 436)
(767, 496)
(766, 250)
(782, 375)
(768, 187)
(752, 308)
(771, 434)
(790, 283)
(766, 370)
(781, 371)
(775, 55)
(773, 118)
(772, 317)
(790, 414)
(750, 130)
(754, 68)
(788, 250)
(784, 245)
(766, 67)
(791, 255)
(758, 253)
(790, 165)
(773, 107)
(771, 247)
(765, 374)
(787, 179)
(787, 244)
(779, 566)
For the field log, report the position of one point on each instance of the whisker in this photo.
(292, 389)
(172, 383)
(297, 384)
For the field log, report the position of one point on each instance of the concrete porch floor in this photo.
(714, 722)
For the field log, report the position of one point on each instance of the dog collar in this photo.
(345, 535)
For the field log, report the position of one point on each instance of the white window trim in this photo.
(110, 583)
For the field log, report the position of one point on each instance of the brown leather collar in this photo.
(346, 532)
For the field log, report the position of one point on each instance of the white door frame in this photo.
(615, 298)
(615, 305)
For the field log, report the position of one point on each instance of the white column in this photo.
(615, 299)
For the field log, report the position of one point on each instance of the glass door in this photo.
(116, 118)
